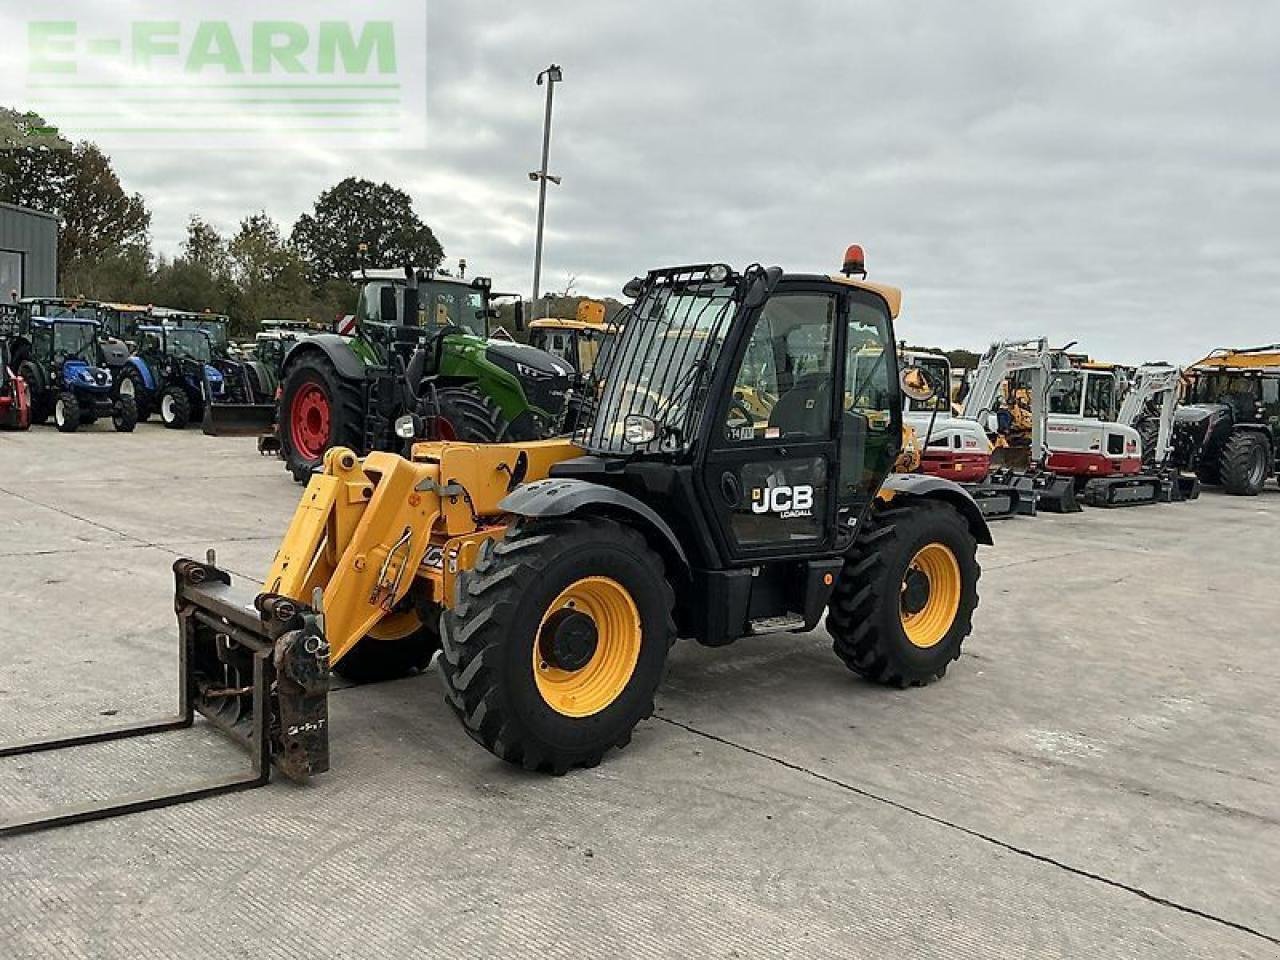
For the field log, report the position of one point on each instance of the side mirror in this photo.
(917, 385)
(517, 318)
(633, 288)
(387, 312)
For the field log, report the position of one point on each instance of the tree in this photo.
(199, 279)
(268, 276)
(40, 169)
(359, 212)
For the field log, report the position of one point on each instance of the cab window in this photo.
(1064, 393)
(1099, 396)
(783, 386)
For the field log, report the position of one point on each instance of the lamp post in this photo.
(552, 75)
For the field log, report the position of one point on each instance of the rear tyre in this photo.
(29, 372)
(66, 413)
(131, 384)
(557, 642)
(466, 414)
(1245, 463)
(175, 408)
(124, 415)
(319, 409)
(402, 645)
(904, 602)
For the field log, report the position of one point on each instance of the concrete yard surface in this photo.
(1097, 776)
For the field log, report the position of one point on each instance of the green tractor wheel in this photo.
(319, 409)
(464, 413)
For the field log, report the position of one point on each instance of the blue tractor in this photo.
(61, 363)
(171, 373)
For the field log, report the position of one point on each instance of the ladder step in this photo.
(788, 621)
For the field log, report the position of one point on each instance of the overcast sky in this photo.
(1095, 171)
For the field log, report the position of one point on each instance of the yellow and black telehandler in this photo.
(553, 576)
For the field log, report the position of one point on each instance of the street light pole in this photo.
(553, 76)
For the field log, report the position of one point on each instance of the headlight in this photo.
(529, 373)
(406, 427)
(718, 273)
(638, 430)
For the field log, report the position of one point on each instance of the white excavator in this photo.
(1049, 417)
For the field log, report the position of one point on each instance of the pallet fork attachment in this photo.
(255, 667)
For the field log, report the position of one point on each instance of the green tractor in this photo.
(416, 362)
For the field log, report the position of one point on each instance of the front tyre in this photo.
(466, 414)
(124, 414)
(399, 646)
(66, 413)
(904, 601)
(557, 642)
(1245, 463)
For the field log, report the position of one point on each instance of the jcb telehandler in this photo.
(554, 575)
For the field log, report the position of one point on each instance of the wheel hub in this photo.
(930, 595)
(568, 640)
(309, 421)
(915, 592)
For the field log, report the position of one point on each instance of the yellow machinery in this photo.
(583, 340)
(552, 577)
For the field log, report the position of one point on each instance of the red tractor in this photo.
(15, 395)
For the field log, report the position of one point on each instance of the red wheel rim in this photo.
(444, 430)
(309, 421)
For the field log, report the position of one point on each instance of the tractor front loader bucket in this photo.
(237, 412)
(238, 419)
(254, 667)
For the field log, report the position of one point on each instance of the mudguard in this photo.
(336, 348)
(148, 378)
(556, 497)
(922, 485)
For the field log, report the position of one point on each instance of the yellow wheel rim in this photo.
(607, 669)
(397, 626)
(933, 569)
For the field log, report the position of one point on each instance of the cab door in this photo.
(772, 455)
(808, 426)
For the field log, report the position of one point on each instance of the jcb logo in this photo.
(786, 501)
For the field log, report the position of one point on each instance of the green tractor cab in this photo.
(419, 364)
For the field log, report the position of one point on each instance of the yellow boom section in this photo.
(363, 529)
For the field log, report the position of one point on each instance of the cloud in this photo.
(1089, 171)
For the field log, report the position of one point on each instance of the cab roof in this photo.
(126, 307)
(565, 323)
(1249, 358)
(397, 276)
(891, 295)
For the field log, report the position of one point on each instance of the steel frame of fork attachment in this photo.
(208, 613)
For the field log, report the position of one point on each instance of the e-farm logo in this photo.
(243, 74)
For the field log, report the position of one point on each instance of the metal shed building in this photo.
(28, 252)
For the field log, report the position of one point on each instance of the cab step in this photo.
(781, 624)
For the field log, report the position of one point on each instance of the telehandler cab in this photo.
(554, 575)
